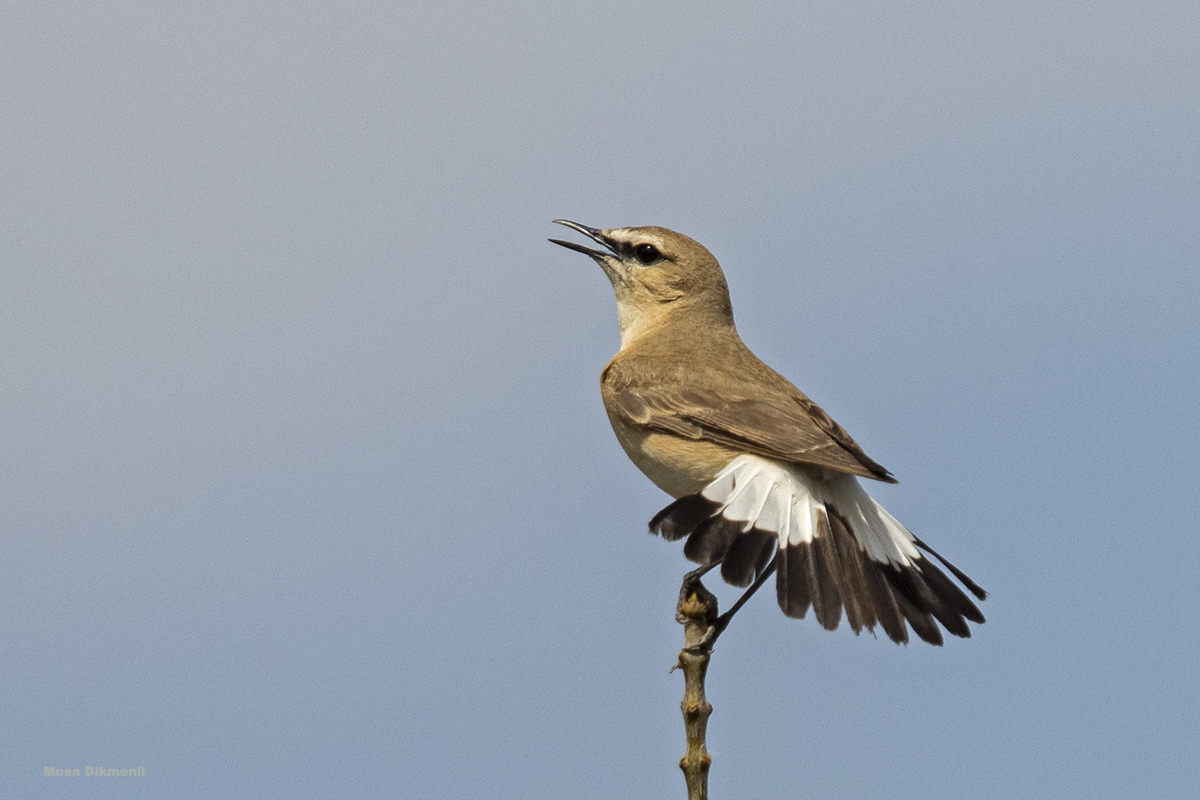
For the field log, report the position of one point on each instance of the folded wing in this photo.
(786, 427)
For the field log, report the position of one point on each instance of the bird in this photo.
(764, 480)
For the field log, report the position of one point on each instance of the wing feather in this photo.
(785, 428)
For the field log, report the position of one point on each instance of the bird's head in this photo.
(656, 274)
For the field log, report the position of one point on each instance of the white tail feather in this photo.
(785, 499)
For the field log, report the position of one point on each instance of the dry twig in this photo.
(697, 612)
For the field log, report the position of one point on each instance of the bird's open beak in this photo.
(592, 233)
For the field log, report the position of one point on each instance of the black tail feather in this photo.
(958, 573)
(830, 573)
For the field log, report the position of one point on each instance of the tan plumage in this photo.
(689, 402)
(702, 401)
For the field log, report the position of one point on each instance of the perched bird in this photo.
(764, 479)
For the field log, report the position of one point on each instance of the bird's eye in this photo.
(647, 253)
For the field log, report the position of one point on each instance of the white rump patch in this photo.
(784, 499)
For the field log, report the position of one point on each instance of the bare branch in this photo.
(697, 612)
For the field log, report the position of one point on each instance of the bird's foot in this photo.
(697, 612)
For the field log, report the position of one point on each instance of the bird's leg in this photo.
(720, 623)
(723, 621)
(695, 575)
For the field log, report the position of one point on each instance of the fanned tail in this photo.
(838, 549)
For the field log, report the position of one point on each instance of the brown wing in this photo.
(787, 427)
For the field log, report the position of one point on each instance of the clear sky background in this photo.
(306, 488)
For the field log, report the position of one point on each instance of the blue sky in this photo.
(307, 485)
